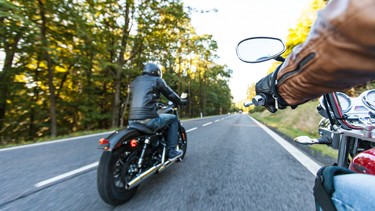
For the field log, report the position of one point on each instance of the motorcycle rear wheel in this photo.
(112, 175)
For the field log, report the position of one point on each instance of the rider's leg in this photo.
(172, 134)
(162, 121)
(172, 140)
(354, 192)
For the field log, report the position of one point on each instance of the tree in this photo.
(68, 63)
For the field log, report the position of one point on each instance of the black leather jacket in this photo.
(146, 91)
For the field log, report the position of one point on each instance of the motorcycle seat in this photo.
(141, 127)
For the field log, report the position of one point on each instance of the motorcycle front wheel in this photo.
(182, 141)
(114, 171)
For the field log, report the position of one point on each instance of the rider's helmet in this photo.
(152, 69)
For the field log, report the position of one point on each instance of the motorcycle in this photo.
(133, 154)
(347, 123)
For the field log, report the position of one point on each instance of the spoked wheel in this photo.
(182, 142)
(114, 171)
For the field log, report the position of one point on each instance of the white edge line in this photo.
(76, 171)
(204, 125)
(217, 120)
(53, 142)
(194, 128)
(311, 165)
(65, 175)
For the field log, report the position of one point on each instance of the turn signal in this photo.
(103, 141)
(133, 143)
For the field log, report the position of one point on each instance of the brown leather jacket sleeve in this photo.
(338, 53)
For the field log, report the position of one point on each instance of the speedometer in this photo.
(344, 101)
(369, 99)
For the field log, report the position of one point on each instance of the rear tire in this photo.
(112, 175)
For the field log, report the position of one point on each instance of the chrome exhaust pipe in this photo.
(151, 171)
(145, 174)
(142, 177)
(168, 163)
(165, 166)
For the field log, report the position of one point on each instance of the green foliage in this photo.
(302, 121)
(74, 60)
(298, 34)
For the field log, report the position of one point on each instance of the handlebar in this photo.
(247, 104)
(258, 100)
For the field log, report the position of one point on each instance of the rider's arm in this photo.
(167, 91)
(339, 53)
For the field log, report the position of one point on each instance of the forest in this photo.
(66, 65)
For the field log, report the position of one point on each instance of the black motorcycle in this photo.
(132, 155)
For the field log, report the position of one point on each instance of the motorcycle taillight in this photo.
(133, 143)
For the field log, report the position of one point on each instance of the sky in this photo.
(236, 20)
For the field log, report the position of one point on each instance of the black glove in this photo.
(266, 88)
(184, 102)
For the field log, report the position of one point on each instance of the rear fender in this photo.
(118, 138)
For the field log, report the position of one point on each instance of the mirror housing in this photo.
(259, 49)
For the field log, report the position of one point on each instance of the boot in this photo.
(173, 153)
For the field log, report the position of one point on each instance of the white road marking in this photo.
(75, 138)
(194, 128)
(54, 142)
(67, 174)
(79, 170)
(204, 125)
(311, 165)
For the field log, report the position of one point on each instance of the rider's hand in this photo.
(267, 89)
(184, 102)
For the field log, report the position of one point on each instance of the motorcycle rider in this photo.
(145, 93)
(338, 53)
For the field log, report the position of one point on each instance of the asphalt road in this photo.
(232, 163)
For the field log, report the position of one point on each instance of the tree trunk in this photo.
(6, 76)
(34, 99)
(125, 105)
(116, 99)
(120, 63)
(46, 55)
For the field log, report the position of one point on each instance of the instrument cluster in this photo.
(362, 106)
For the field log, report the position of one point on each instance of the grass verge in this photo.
(302, 121)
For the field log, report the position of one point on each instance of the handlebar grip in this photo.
(247, 104)
(258, 100)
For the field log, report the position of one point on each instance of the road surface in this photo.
(232, 163)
